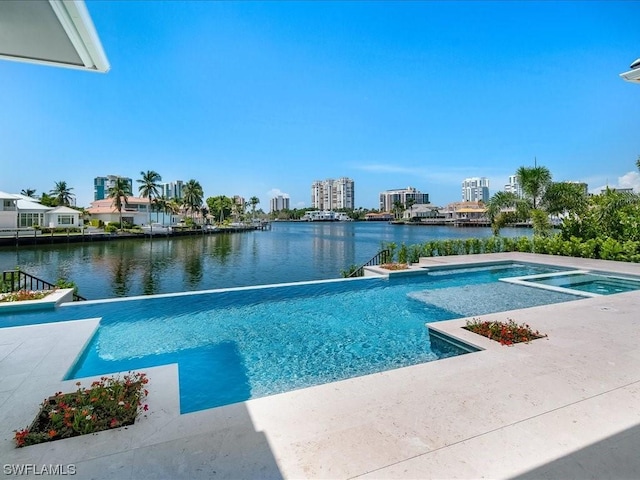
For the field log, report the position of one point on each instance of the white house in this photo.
(20, 211)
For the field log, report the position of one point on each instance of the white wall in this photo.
(8, 219)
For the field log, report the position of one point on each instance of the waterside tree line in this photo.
(191, 203)
(603, 226)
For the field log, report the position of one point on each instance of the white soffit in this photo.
(50, 32)
(633, 75)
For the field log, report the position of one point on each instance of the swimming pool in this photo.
(237, 344)
(580, 282)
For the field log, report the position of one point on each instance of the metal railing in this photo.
(378, 259)
(14, 280)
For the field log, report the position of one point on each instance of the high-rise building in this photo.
(475, 189)
(281, 202)
(333, 194)
(101, 186)
(172, 189)
(389, 198)
(513, 186)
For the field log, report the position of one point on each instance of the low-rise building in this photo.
(465, 212)
(325, 216)
(379, 217)
(20, 211)
(422, 211)
(135, 211)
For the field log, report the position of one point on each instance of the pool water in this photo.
(591, 283)
(245, 343)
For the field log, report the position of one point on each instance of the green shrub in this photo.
(523, 244)
(414, 253)
(110, 228)
(64, 283)
(611, 249)
(402, 254)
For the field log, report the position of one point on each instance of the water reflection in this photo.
(289, 252)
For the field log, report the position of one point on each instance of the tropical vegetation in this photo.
(119, 192)
(149, 187)
(192, 196)
(61, 193)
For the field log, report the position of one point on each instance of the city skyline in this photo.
(257, 99)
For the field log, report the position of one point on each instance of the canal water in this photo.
(289, 252)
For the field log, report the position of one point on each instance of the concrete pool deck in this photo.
(566, 406)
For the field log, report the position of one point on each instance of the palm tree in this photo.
(534, 181)
(161, 205)
(192, 195)
(409, 204)
(397, 208)
(62, 193)
(119, 192)
(253, 201)
(149, 187)
(505, 207)
(28, 192)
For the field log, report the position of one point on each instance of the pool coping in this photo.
(52, 300)
(543, 403)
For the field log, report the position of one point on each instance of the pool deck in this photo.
(566, 406)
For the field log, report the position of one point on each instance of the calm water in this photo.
(289, 252)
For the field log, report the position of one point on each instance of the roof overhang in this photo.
(632, 75)
(50, 32)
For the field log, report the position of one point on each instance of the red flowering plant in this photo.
(22, 295)
(111, 402)
(506, 333)
(395, 266)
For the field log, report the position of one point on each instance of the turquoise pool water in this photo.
(591, 282)
(239, 344)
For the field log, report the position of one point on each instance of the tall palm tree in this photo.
(149, 187)
(28, 192)
(192, 195)
(62, 193)
(119, 193)
(253, 201)
(534, 181)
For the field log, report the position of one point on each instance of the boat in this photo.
(156, 229)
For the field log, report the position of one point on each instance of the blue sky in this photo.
(254, 98)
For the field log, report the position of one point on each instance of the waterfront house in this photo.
(465, 213)
(422, 211)
(325, 216)
(20, 211)
(135, 211)
(379, 217)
